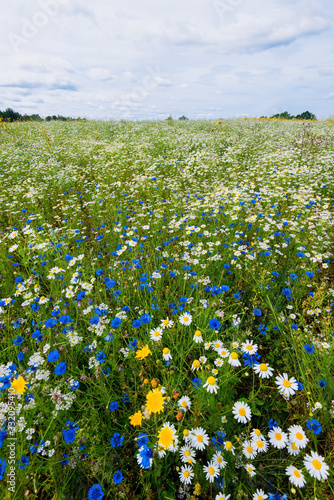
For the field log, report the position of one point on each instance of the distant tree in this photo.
(306, 115)
(10, 115)
(183, 118)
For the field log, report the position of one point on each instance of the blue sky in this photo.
(149, 59)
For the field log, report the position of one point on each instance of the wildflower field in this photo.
(166, 300)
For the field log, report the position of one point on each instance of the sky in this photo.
(148, 59)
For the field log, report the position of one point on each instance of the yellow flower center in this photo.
(166, 350)
(228, 445)
(294, 447)
(316, 464)
(219, 459)
(198, 333)
(242, 412)
(211, 471)
(257, 432)
(166, 321)
(286, 383)
(196, 363)
(260, 497)
(216, 345)
(278, 436)
(259, 444)
(156, 334)
(296, 473)
(299, 436)
(199, 438)
(234, 355)
(249, 449)
(185, 318)
(263, 367)
(187, 453)
(186, 473)
(186, 432)
(184, 403)
(249, 347)
(211, 381)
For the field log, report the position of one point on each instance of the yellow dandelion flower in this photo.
(19, 385)
(143, 352)
(136, 418)
(155, 401)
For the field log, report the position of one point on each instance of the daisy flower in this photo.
(249, 450)
(214, 372)
(293, 449)
(259, 495)
(199, 438)
(166, 323)
(198, 337)
(186, 474)
(184, 403)
(296, 477)
(316, 466)
(211, 470)
(207, 346)
(229, 446)
(263, 370)
(223, 353)
(185, 319)
(211, 385)
(286, 386)
(219, 362)
(242, 412)
(233, 359)
(257, 434)
(278, 438)
(298, 436)
(248, 347)
(221, 496)
(235, 345)
(216, 345)
(195, 365)
(250, 469)
(156, 334)
(219, 459)
(166, 354)
(186, 453)
(260, 445)
(203, 359)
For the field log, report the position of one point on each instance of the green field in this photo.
(166, 310)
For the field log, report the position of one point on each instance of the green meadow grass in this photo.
(121, 240)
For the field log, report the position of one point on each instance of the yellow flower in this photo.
(19, 385)
(155, 401)
(143, 352)
(136, 418)
(166, 436)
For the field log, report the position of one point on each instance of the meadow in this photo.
(166, 310)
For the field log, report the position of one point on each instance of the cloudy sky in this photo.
(148, 59)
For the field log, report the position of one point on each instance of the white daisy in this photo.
(186, 474)
(263, 370)
(260, 444)
(216, 345)
(296, 477)
(219, 362)
(199, 438)
(222, 496)
(166, 323)
(278, 438)
(210, 385)
(185, 319)
(184, 403)
(229, 446)
(259, 495)
(211, 470)
(166, 354)
(203, 359)
(249, 450)
(250, 469)
(242, 412)
(293, 449)
(219, 459)
(298, 436)
(256, 434)
(196, 364)
(286, 386)
(248, 347)
(156, 334)
(223, 353)
(316, 466)
(198, 337)
(186, 453)
(233, 359)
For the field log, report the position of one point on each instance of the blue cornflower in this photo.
(218, 442)
(133, 344)
(116, 322)
(197, 383)
(51, 322)
(3, 465)
(272, 423)
(95, 492)
(68, 435)
(322, 383)
(53, 356)
(224, 288)
(23, 462)
(116, 440)
(113, 406)
(251, 359)
(310, 274)
(294, 326)
(309, 348)
(95, 320)
(136, 323)
(183, 300)
(263, 329)
(293, 276)
(126, 398)
(100, 357)
(300, 386)
(145, 319)
(18, 340)
(287, 292)
(117, 477)
(142, 439)
(214, 324)
(61, 368)
(65, 319)
(66, 461)
(314, 426)
(277, 496)
(145, 457)
(276, 274)
(257, 312)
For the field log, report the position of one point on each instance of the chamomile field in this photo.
(166, 310)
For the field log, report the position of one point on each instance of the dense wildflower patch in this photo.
(166, 303)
